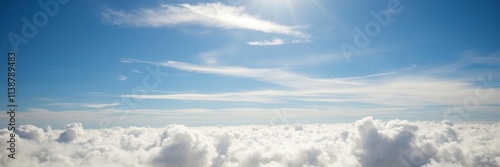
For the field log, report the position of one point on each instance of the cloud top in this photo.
(72, 132)
(184, 148)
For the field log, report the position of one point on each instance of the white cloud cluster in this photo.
(367, 142)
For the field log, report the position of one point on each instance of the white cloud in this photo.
(367, 142)
(121, 77)
(100, 105)
(136, 71)
(184, 148)
(212, 15)
(86, 105)
(387, 89)
(213, 56)
(251, 96)
(30, 132)
(275, 41)
(299, 127)
(492, 59)
(372, 75)
(300, 61)
(301, 41)
(73, 131)
(468, 59)
(277, 76)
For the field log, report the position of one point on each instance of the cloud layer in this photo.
(388, 89)
(367, 142)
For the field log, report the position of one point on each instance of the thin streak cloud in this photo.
(275, 41)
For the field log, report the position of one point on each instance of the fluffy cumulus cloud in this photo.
(367, 142)
(30, 132)
(72, 132)
(183, 147)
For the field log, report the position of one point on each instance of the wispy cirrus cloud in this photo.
(301, 61)
(212, 15)
(121, 77)
(372, 75)
(136, 71)
(213, 56)
(467, 60)
(260, 96)
(384, 89)
(276, 76)
(491, 59)
(250, 96)
(275, 41)
(86, 105)
(396, 92)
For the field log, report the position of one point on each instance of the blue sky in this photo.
(110, 63)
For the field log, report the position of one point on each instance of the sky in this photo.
(233, 62)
